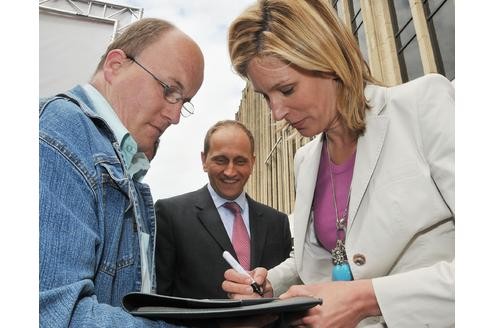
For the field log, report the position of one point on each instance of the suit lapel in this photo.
(210, 219)
(369, 148)
(258, 229)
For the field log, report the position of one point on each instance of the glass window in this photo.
(402, 12)
(413, 67)
(356, 5)
(405, 39)
(358, 27)
(440, 17)
(338, 6)
(435, 3)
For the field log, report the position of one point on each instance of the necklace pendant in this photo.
(341, 270)
(338, 253)
(341, 224)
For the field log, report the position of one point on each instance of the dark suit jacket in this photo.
(191, 239)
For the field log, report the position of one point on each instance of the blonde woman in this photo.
(374, 211)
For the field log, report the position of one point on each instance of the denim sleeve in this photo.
(68, 256)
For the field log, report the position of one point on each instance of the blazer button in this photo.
(359, 259)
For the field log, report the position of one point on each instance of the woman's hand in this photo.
(345, 304)
(238, 286)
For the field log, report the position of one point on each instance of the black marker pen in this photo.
(238, 268)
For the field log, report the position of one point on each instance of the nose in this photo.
(172, 111)
(230, 170)
(279, 112)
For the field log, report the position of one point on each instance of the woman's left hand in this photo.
(345, 303)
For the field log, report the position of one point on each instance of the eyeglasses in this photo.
(172, 94)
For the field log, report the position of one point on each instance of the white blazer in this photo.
(401, 226)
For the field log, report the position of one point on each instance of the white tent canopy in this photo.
(73, 36)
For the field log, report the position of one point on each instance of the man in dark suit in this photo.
(195, 228)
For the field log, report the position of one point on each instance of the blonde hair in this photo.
(307, 34)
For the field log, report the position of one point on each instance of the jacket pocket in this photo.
(118, 221)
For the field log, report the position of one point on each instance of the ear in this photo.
(203, 160)
(253, 161)
(112, 66)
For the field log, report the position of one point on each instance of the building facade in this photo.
(400, 39)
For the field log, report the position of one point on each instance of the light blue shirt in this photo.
(226, 215)
(136, 162)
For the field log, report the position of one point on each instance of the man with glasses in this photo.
(97, 221)
(195, 228)
(171, 93)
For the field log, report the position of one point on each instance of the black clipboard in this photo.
(170, 307)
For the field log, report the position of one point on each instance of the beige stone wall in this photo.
(272, 181)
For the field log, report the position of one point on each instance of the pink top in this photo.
(323, 204)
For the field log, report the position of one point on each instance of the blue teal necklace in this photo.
(341, 270)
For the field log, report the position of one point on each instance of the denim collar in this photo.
(136, 162)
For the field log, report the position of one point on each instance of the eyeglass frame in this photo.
(170, 90)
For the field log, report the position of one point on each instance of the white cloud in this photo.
(177, 167)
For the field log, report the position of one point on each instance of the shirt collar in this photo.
(137, 164)
(241, 200)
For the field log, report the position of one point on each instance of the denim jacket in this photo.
(90, 214)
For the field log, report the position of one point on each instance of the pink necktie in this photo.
(240, 236)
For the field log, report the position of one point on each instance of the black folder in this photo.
(170, 307)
